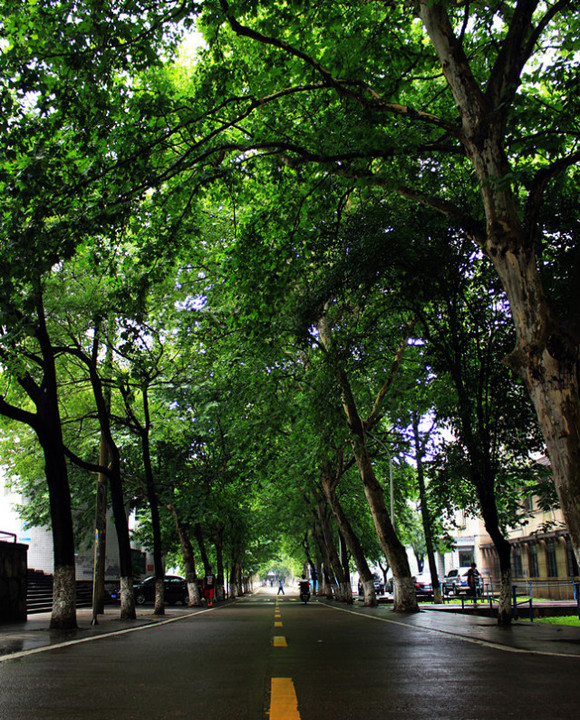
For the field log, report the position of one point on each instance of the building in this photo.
(543, 562)
(39, 542)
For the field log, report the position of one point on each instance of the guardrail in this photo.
(527, 588)
(530, 590)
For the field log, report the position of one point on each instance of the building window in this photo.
(533, 560)
(466, 556)
(571, 558)
(551, 561)
(529, 503)
(517, 561)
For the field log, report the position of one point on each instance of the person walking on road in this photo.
(281, 588)
(208, 586)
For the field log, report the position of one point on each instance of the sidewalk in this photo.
(36, 633)
(519, 637)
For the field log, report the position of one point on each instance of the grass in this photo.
(568, 620)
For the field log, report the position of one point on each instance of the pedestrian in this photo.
(472, 581)
(281, 587)
(208, 586)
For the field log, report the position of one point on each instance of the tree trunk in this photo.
(64, 586)
(236, 586)
(219, 554)
(314, 571)
(116, 486)
(503, 549)
(328, 585)
(100, 555)
(158, 565)
(404, 590)
(546, 354)
(202, 548)
(345, 528)
(425, 515)
(188, 557)
(100, 534)
(344, 589)
(48, 427)
(405, 597)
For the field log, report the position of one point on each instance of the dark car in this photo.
(423, 585)
(455, 582)
(144, 590)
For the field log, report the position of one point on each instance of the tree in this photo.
(61, 95)
(450, 113)
(33, 364)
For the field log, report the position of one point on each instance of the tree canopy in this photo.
(248, 270)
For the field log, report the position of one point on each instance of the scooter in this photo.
(305, 597)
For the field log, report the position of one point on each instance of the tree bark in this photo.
(219, 554)
(115, 480)
(100, 534)
(202, 548)
(405, 597)
(425, 515)
(158, 565)
(546, 353)
(63, 615)
(329, 587)
(188, 558)
(48, 427)
(344, 593)
(329, 485)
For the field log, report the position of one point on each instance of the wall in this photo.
(13, 568)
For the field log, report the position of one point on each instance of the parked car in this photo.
(144, 590)
(455, 582)
(423, 585)
(379, 586)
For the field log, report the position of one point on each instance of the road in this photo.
(264, 657)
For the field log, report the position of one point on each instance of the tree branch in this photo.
(358, 91)
(469, 224)
(84, 465)
(17, 414)
(540, 183)
(374, 415)
(513, 54)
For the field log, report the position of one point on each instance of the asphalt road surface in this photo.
(264, 657)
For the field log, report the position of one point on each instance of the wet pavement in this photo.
(341, 662)
(35, 635)
(556, 640)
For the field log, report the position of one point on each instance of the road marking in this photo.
(278, 624)
(283, 700)
(457, 636)
(126, 631)
(279, 641)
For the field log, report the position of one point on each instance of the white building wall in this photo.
(39, 540)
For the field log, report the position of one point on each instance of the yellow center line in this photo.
(283, 700)
(279, 641)
(278, 624)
